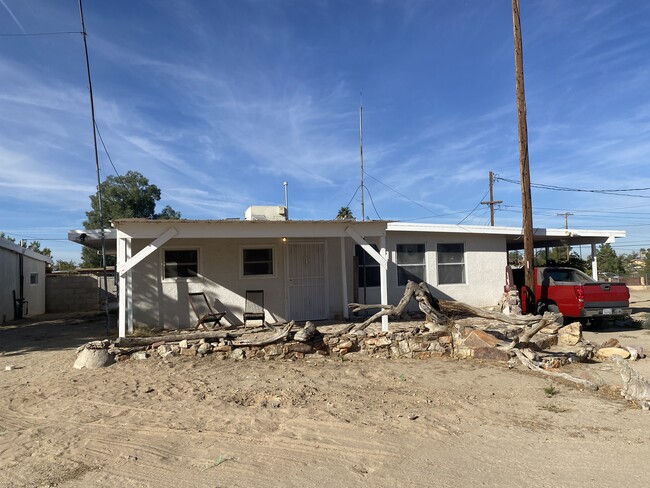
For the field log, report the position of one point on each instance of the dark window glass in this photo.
(181, 264)
(410, 263)
(451, 264)
(258, 261)
(368, 272)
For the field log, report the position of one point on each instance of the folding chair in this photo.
(254, 309)
(204, 312)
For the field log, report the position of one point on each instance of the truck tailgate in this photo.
(606, 295)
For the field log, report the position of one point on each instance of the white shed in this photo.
(22, 281)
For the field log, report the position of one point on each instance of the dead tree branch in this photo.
(531, 365)
(264, 342)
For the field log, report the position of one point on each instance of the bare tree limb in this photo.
(264, 342)
(531, 365)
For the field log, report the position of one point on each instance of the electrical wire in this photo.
(433, 214)
(372, 201)
(474, 209)
(40, 34)
(619, 192)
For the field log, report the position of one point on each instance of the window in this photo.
(258, 261)
(451, 264)
(181, 264)
(410, 263)
(33, 278)
(368, 268)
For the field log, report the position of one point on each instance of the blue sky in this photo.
(219, 102)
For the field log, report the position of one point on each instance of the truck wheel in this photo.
(551, 307)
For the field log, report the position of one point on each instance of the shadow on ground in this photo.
(54, 332)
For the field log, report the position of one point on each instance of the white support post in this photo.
(594, 263)
(383, 281)
(344, 280)
(122, 286)
(129, 291)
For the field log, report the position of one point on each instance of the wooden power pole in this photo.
(524, 170)
(492, 202)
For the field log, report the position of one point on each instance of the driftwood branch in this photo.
(531, 365)
(270, 340)
(452, 308)
(426, 302)
(146, 341)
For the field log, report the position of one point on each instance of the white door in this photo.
(308, 290)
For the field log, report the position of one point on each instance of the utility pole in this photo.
(99, 185)
(524, 170)
(492, 202)
(566, 226)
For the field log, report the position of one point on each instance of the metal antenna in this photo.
(286, 199)
(99, 188)
(363, 212)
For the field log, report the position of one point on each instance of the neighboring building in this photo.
(307, 269)
(22, 281)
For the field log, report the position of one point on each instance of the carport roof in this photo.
(144, 228)
(514, 238)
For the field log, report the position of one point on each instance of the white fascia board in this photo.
(188, 229)
(498, 230)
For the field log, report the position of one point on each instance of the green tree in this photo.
(6, 237)
(345, 214)
(608, 260)
(123, 197)
(61, 265)
(36, 247)
(168, 213)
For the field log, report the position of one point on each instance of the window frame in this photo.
(405, 267)
(274, 262)
(33, 281)
(370, 263)
(462, 264)
(163, 264)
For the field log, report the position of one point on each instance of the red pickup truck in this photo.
(575, 294)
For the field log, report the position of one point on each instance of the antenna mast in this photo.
(363, 213)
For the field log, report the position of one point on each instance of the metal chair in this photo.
(254, 309)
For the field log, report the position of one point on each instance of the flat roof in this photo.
(514, 236)
(234, 228)
(5, 244)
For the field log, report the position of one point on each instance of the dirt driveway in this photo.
(320, 421)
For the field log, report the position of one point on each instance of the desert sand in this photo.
(319, 421)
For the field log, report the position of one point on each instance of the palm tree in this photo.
(345, 214)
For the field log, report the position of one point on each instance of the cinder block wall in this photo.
(72, 293)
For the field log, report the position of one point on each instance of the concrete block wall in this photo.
(72, 293)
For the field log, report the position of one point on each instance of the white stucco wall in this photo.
(163, 303)
(485, 262)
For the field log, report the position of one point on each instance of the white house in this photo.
(307, 269)
(22, 281)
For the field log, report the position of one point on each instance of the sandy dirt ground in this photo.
(313, 422)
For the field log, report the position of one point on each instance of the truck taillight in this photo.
(580, 293)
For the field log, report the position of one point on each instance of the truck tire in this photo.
(552, 307)
(547, 307)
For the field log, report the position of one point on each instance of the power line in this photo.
(583, 190)
(40, 34)
(433, 214)
(474, 209)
